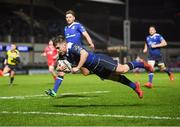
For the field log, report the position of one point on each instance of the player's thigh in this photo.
(12, 73)
(122, 68)
(6, 69)
(107, 62)
(161, 65)
(51, 68)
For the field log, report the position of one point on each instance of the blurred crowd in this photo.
(15, 29)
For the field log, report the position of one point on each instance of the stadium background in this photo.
(31, 23)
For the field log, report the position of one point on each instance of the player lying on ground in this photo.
(101, 65)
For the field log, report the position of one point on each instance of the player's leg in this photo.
(5, 70)
(11, 76)
(109, 63)
(123, 68)
(1, 73)
(149, 84)
(106, 69)
(57, 84)
(166, 70)
(51, 70)
(84, 71)
(124, 80)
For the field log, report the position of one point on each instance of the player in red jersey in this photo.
(51, 54)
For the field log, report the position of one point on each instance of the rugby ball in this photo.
(67, 66)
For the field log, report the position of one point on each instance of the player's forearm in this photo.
(162, 44)
(145, 48)
(88, 38)
(83, 58)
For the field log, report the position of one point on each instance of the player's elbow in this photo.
(164, 43)
(84, 53)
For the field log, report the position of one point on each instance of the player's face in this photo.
(13, 47)
(152, 30)
(70, 19)
(51, 43)
(61, 48)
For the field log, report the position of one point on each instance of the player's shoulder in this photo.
(17, 51)
(157, 34)
(148, 36)
(8, 52)
(76, 23)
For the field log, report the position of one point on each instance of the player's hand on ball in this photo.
(61, 68)
(75, 69)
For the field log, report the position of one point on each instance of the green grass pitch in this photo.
(89, 101)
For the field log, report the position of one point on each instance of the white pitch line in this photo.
(94, 115)
(22, 97)
(98, 92)
(43, 95)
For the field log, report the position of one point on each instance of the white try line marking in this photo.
(93, 115)
(43, 95)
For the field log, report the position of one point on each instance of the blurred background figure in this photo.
(74, 31)
(154, 43)
(11, 61)
(51, 54)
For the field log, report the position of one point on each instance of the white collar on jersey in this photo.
(73, 24)
(69, 45)
(154, 35)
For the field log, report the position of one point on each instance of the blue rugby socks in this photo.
(58, 83)
(150, 77)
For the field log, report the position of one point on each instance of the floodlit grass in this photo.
(89, 101)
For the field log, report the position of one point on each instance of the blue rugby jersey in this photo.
(73, 33)
(73, 55)
(151, 40)
(100, 64)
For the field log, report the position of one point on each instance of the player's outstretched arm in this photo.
(83, 58)
(88, 39)
(145, 48)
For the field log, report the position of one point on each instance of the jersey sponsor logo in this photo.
(68, 36)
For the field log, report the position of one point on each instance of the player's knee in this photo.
(122, 68)
(61, 73)
(12, 73)
(162, 67)
(51, 70)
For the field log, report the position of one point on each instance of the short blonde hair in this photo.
(70, 12)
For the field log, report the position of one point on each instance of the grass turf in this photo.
(99, 103)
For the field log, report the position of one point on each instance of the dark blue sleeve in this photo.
(76, 49)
